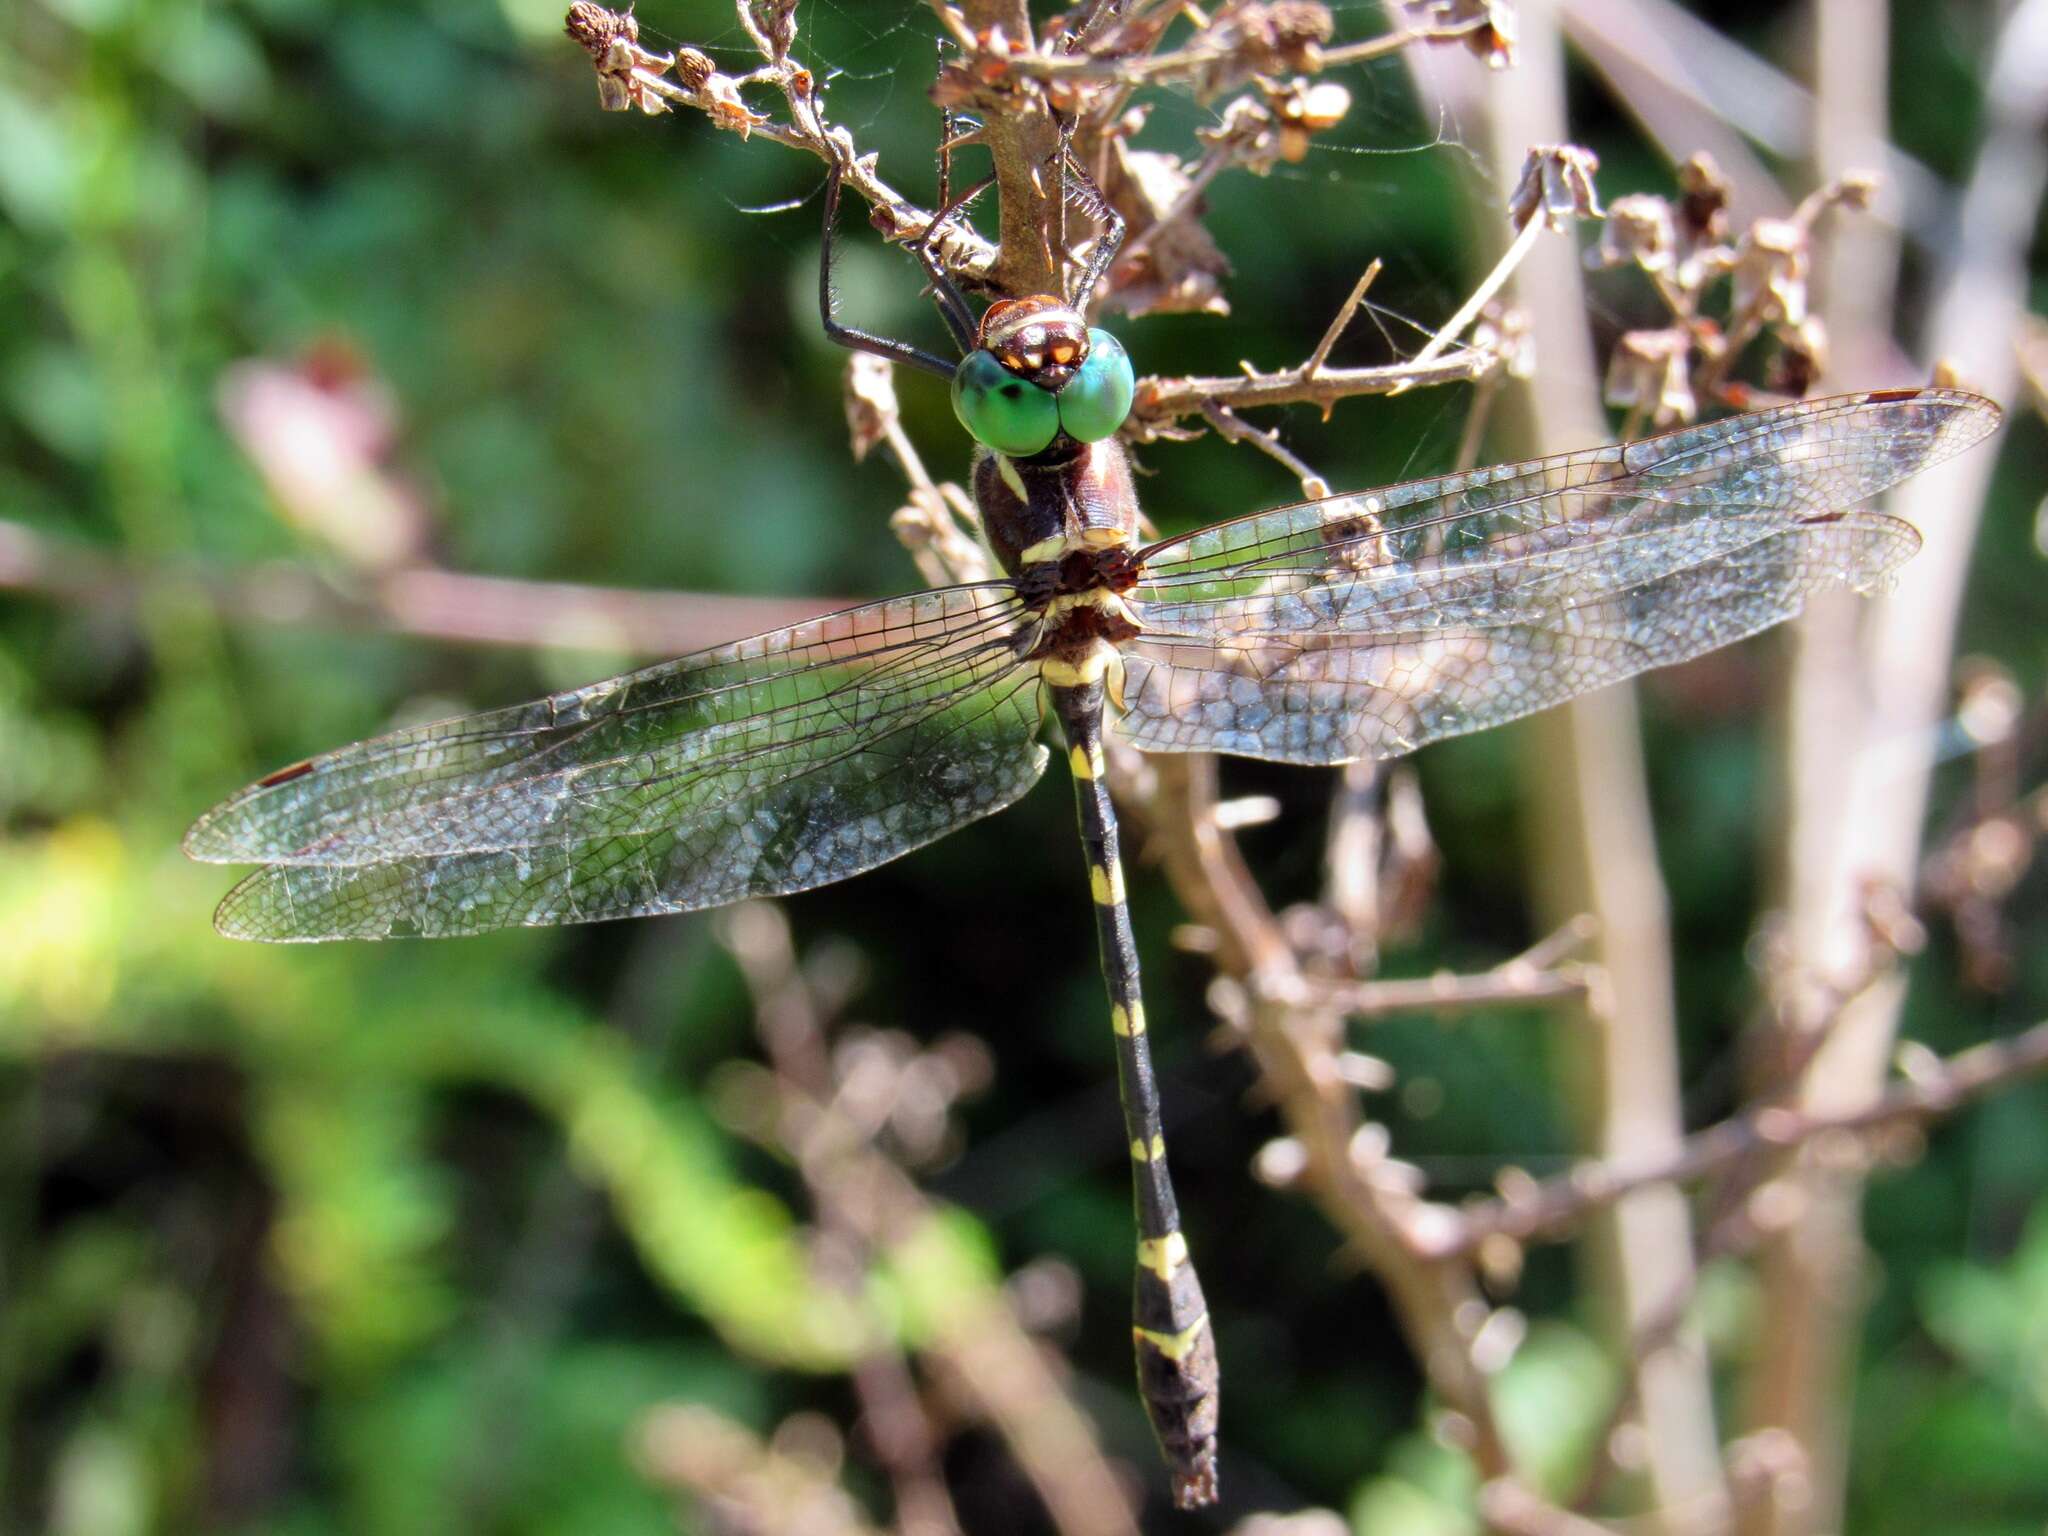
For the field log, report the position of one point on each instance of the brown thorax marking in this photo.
(1091, 569)
(1038, 338)
(1076, 592)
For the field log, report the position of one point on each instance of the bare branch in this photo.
(1162, 401)
(1553, 1206)
(432, 604)
(1298, 1050)
(865, 1195)
(1237, 430)
(1226, 52)
(1515, 1510)
(630, 76)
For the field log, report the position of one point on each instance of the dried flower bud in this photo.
(726, 110)
(595, 29)
(1496, 42)
(1802, 357)
(1638, 232)
(1770, 272)
(693, 68)
(1272, 37)
(612, 39)
(1556, 185)
(1704, 192)
(776, 20)
(1492, 40)
(1248, 127)
(1648, 373)
(1323, 106)
(1504, 331)
(870, 402)
(1304, 110)
(1859, 188)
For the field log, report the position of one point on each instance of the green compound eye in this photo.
(1001, 410)
(1098, 398)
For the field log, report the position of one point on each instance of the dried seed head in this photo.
(1802, 357)
(776, 20)
(1648, 373)
(595, 29)
(1556, 186)
(1703, 199)
(612, 39)
(1770, 272)
(1639, 232)
(693, 68)
(1272, 37)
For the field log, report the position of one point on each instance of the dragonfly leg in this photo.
(952, 303)
(1083, 190)
(850, 336)
(1177, 1372)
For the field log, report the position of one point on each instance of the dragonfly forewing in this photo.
(1606, 518)
(780, 763)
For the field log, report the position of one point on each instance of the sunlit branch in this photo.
(1161, 401)
(631, 76)
(1541, 973)
(1934, 1089)
(1205, 58)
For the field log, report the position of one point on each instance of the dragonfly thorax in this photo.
(1073, 497)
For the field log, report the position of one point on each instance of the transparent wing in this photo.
(1472, 549)
(1324, 698)
(1366, 625)
(779, 763)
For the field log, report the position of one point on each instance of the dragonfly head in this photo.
(1039, 371)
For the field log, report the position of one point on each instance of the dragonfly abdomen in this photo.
(1177, 1371)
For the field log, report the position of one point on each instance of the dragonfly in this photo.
(1357, 626)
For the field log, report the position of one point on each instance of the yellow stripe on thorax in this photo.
(1044, 549)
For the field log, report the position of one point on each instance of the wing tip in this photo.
(1968, 418)
(203, 844)
(247, 914)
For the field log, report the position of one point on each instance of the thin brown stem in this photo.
(430, 603)
(1552, 1207)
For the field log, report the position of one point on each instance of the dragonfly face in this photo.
(1356, 626)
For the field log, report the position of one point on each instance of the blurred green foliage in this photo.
(405, 1238)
